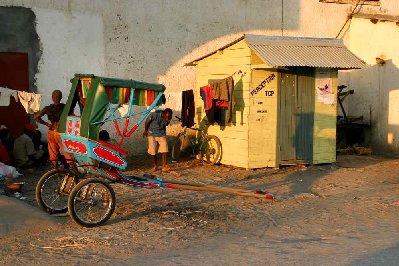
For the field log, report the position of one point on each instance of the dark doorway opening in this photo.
(14, 75)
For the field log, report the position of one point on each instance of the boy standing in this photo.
(53, 112)
(155, 130)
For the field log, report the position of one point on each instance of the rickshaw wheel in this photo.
(91, 202)
(52, 190)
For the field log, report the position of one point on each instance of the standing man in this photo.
(53, 112)
(155, 130)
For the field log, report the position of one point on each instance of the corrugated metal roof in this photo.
(311, 52)
(299, 51)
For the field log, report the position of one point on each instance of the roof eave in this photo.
(194, 62)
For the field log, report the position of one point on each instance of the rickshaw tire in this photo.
(75, 191)
(38, 191)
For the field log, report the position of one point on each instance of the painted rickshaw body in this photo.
(86, 192)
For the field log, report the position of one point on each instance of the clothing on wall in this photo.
(210, 114)
(216, 114)
(224, 92)
(223, 89)
(5, 94)
(173, 100)
(123, 109)
(218, 100)
(30, 101)
(188, 108)
(206, 95)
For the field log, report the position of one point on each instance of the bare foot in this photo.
(165, 169)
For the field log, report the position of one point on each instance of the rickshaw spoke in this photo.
(55, 198)
(93, 202)
(48, 191)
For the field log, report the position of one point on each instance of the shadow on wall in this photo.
(303, 137)
(18, 34)
(186, 30)
(239, 105)
(312, 141)
(376, 98)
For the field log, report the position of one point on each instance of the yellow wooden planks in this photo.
(324, 132)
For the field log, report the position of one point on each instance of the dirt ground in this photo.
(334, 214)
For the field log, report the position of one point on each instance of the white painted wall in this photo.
(151, 40)
(71, 43)
(376, 87)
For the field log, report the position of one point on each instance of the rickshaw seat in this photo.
(114, 148)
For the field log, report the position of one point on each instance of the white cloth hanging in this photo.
(5, 94)
(173, 100)
(123, 109)
(30, 101)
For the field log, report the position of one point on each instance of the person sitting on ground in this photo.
(155, 130)
(25, 155)
(104, 136)
(40, 145)
(6, 139)
(53, 112)
(4, 156)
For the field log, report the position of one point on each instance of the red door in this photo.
(14, 74)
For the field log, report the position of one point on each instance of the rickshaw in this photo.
(85, 190)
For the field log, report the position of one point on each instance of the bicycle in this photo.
(207, 147)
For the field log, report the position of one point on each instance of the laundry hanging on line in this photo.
(218, 100)
(188, 109)
(173, 100)
(5, 94)
(223, 89)
(30, 101)
(206, 95)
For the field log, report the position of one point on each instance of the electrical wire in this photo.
(350, 17)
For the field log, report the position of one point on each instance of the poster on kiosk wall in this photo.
(325, 93)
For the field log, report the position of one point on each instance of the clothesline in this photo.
(42, 94)
(29, 100)
(218, 99)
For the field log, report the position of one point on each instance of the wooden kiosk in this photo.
(285, 98)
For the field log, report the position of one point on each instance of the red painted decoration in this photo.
(70, 127)
(77, 128)
(132, 130)
(107, 155)
(75, 146)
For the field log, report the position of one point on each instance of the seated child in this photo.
(104, 136)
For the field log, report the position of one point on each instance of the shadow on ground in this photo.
(388, 256)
